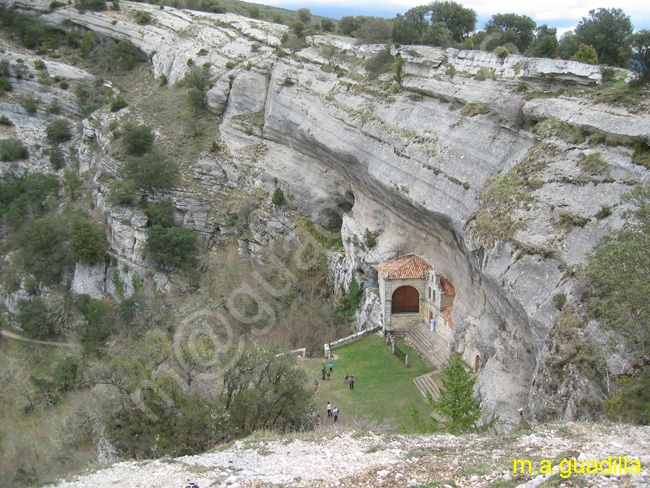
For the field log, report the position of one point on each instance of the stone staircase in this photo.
(433, 349)
(429, 383)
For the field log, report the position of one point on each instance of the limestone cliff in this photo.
(421, 164)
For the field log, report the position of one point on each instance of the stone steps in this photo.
(431, 346)
(429, 383)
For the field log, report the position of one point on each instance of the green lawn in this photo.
(383, 387)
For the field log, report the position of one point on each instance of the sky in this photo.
(563, 14)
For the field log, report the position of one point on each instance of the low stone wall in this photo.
(328, 348)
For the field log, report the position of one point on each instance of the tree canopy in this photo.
(518, 29)
(607, 31)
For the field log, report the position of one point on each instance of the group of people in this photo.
(331, 412)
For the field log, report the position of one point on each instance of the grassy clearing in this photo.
(184, 133)
(383, 387)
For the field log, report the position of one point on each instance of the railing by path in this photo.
(401, 355)
(329, 347)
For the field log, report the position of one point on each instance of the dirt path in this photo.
(18, 337)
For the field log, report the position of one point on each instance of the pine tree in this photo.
(457, 403)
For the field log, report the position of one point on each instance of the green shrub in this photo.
(380, 63)
(484, 73)
(471, 109)
(118, 104)
(123, 193)
(113, 125)
(65, 374)
(64, 85)
(568, 219)
(5, 121)
(501, 51)
(39, 64)
(278, 197)
(137, 139)
(32, 317)
(630, 403)
(57, 159)
(98, 323)
(522, 87)
(58, 131)
(23, 195)
(370, 238)
(87, 242)
(214, 146)
(230, 64)
(29, 104)
(151, 171)
(161, 214)
(144, 18)
(88, 42)
(12, 150)
(125, 55)
(171, 247)
(5, 85)
(593, 164)
(53, 107)
(641, 154)
(604, 212)
(91, 5)
(44, 249)
(586, 54)
(559, 300)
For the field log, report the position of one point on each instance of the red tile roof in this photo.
(446, 286)
(446, 314)
(405, 268)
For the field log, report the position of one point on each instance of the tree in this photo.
(33, 318)
(278, 197)
(92, 5)
(170, 247)
(151, 171)
(57, 159)
(520, 27)
(254, 12)
(545, 44)
(459, 20)
(12, 149)
(327, 25)
(161, 213)
(87, 242)
(348, 24)
(568, 45)
(640, 43)
(44, 249)
(585, 54)
(124, 54)
(457, 403)
(304, 15)
(374, 30)
(88, 42)
(607, 30)
(137, 139)
(58, 131)
(298, 27)
(618, 284)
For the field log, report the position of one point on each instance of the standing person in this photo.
(432, 322)
(347, 377)
(316, 385)
(331, 367)
(324, 370)
(336, 413)
(351, 382)
(329, 409)
(328, 375)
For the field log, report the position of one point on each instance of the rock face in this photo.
(417, 164)
(333, 459)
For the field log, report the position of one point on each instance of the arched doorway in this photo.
(406, 299)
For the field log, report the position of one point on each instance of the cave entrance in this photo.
(406, 299)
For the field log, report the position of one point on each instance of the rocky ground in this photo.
(347, 459)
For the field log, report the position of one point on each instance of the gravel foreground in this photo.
(348, 459)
